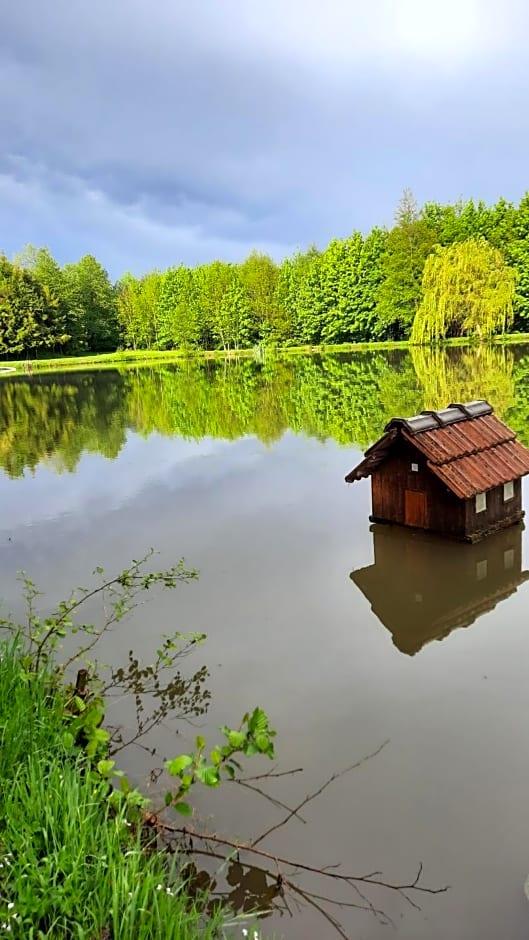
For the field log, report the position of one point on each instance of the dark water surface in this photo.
(348, 636)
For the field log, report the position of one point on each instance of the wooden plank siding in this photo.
(444, 512)
(498, 513)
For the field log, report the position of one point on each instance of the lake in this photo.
(348, 635)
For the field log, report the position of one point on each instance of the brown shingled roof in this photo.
(466, 446)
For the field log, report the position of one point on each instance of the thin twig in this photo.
(271, 799)
(283, 773)
(316, 793)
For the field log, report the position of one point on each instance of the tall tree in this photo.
(467, 290)
(49, 274)
(31, 318)
(258, 276)
(234, 326)
(517, 254)
(92, 301)
(293, 292)
(213, 282)
(138, 310)
(370, 278)
(180, 319)
(408, 245)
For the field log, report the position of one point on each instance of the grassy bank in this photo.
(132, 358)
(70, 868)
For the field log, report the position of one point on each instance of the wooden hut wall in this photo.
(498, 511)
(415, 498)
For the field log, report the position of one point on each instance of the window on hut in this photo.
(415, 468)
(508, 491)
(481, 502)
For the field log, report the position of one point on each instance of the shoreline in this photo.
(17, 367)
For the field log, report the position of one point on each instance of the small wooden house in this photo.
(456, 472)
(420, 588)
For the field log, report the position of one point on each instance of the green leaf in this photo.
(178, 764)
(201, 743)
(258, 721)
(263, 742)
(236, 738)
(168, 799)
(230, 771)
(215, 756)
(105, 767)
(251, 749)
(209, 776)
(184, 809)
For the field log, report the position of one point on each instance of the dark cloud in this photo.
(154, 133)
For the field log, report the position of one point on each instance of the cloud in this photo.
(153, 134)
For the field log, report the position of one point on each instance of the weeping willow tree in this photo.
(445, 375)
(468, 290)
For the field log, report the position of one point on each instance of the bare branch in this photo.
(316, 793)
(279, 859)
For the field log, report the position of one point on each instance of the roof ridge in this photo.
(429, 419)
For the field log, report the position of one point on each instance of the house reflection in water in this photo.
(421, 587)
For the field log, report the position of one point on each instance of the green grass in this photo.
(131, 358)
(69, 870)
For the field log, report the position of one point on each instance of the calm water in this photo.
(347, 636)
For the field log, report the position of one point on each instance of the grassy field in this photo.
(68, 867)
(133, 358)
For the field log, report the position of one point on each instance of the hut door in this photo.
(415, 509)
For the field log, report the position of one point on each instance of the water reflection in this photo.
(55, 419)
(243, 889)
(422, 587)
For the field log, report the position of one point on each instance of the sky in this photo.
(152, 134)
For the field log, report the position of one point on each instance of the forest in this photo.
(440, 271)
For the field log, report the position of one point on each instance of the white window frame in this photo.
(508, 491)
(481, 502)
(415, 468)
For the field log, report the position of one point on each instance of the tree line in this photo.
(348, 398)
(442, 270)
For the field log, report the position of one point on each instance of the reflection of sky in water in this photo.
(99, 485)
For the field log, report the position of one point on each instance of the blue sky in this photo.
(157, 133)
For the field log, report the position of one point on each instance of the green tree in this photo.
(467, 290)
(92, 302)
(138, 310)
(517, 254)
(31, 317)
(291, 292)
(310, 302)
(370, 277)
(225, 307)
(259, 276)
(49, 274)
(179, 308)
(234, 326)
(408, 245)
